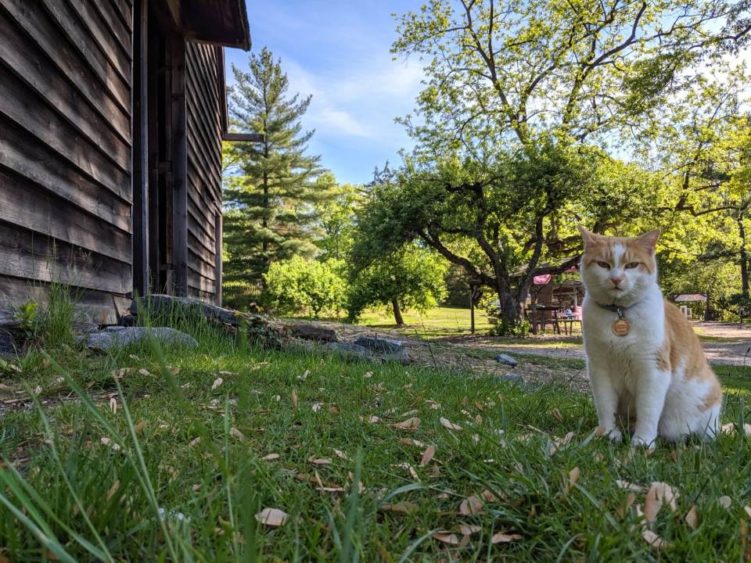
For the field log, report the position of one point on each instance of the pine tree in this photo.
(271, 187)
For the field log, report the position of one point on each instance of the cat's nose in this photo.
(616, 281)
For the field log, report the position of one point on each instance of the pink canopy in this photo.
(543, 279)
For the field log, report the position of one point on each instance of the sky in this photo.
(338, 51)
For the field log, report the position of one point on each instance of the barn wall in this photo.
(65, 147)
(204, 107)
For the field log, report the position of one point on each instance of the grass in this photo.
(440, 322)
(167, 462)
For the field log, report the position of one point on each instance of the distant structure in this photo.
(112, 115)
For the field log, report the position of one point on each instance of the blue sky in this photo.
(338, 51)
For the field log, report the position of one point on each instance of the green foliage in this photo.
(513, 124)
(301, 285)
(412, 277)
(272, 188)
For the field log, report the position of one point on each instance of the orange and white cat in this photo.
(646, 366)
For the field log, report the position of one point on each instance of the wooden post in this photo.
(218, 230)
(179, 167)
(141, 151)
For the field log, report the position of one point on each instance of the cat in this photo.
(645, 364)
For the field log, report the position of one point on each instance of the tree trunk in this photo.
(744, 259)
(744, 270)
(397, 312)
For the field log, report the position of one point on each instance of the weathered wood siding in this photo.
(65, 146)
(204, 105)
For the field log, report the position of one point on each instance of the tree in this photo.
(271, 187)
(408, 278)
(517, 96)
(299, 284)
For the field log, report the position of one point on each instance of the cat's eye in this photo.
(632, 265)
(604, 265)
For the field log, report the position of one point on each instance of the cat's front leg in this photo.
(606, 399)
(651, 390)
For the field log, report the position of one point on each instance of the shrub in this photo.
(299, 285)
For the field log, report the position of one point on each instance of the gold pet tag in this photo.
(621, 327)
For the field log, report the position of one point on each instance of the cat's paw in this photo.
(639, 441)
(614, 435)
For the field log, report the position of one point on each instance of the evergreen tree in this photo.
(271, 187)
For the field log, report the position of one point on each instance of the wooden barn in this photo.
(112, 114)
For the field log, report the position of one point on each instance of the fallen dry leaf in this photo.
(446, 423)
(412, 442)
(404, 507)
(374, 419)
(113, 405)
(727, 428)
(622, 510)
(140, 425)
(573, 477)
(427, 456)
(107, 442)
(658, 494)
(468, 530)
(502, 537)
(447, 537)
(272, 517)
(629, 486)
(235, 433)
(271, 457)
(471, 505)
(725, 501)
(692, 517)
(409, 424)
(145, 372)
(654, 540)
(559, 443)
(488, 496)
(319, 461)
(294, 398)
(748, 510)
(195, 442)
(316, 407)
(340, 454)
(432, 404)
(556, 414)
(217, 382)
(408, 467)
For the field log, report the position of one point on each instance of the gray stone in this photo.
(119, 336)
(8, 348)
(8, 319)
(348, 349)
(313, 332)
(169, 306)
(376, 344)
(509, 378)
(506, 360)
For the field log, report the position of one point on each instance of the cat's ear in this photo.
(649, 240)
(587, 236)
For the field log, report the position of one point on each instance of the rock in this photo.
(376, 344)
(506, 360)
(313, 332)
(355, 350)
(119, 336)
(509, 378)
(348, 349)
(8, 348)
(169, 307)
(8, 319)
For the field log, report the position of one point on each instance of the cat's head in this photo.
(618, 270)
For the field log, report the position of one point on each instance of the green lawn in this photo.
(439, 322)
(211, 437)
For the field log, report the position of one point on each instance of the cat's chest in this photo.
(637, 331)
